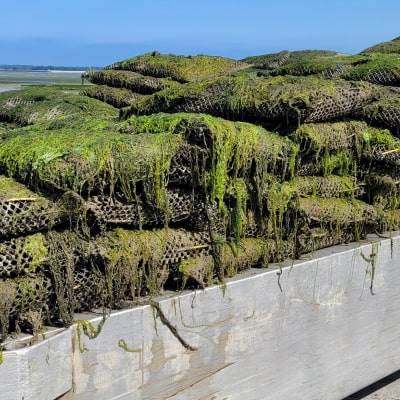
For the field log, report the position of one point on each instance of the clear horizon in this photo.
(97, 33)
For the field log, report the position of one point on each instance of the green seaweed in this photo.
(327, 186)
(47, 106)
(375, 64)
(117, 97)
(340, 147)
(389, 47)
(82, 160)
(132, 260)
(133, 81)
(306, 62)
(7, 299)
(122, 344)
(246, 97)
(371, 268)
(338, 215)
(179, 68)
(70, 150)
(35, 246)
(241, 157)
(85, 327)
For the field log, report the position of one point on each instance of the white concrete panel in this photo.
(110, 366)
(41, 371)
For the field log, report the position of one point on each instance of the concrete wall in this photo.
(314, 330)
(41, 371)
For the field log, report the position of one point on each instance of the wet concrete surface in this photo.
(386, 389)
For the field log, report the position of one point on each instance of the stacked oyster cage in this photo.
(173, 172)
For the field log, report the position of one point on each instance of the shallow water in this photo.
(11, 80)
(6, 88)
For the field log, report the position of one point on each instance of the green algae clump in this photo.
(178, 68)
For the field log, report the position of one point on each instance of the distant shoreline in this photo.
(9, 87)
(44, 68)
(57, 71)
(16, 79)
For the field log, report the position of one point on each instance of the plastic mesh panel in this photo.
(23, 211)
(281, 250)
(113, 212)
(17, 101)
(125, 79)
(346, 101)
(32, 293)
(381, 155)
(252, 228)
(390, 221)
(382, 191)
(308, 167)
(383, 77)
(13, 261)
(341, 213)
(336, 72)
(331, 186)
(22, 217)
(387, 116)
(30, 310)
(265, 110)
(117, 97)
(182, 166)
(137, 263)
(318, 238)
(89, 289)
(234, 258)
(183, 245)
(314, 137)
(202, 103)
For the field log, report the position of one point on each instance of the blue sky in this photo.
(100, 32)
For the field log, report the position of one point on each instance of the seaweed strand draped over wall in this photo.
(174, 172)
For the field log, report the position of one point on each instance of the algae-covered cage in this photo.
(172, 172)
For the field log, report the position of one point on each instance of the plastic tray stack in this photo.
(173, 172)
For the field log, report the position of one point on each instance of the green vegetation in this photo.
(377, 68)
(338, 147)
(133, 81)
(12, 191)
(178, 68)
(245, 97)
(307, 62)
(173, 172)
(89, 159)
(114, 96)
(390, 47)
(86, 327)
(48, 107)
(122, 344)
(327, 186)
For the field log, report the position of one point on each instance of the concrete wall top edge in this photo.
(324, 254)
